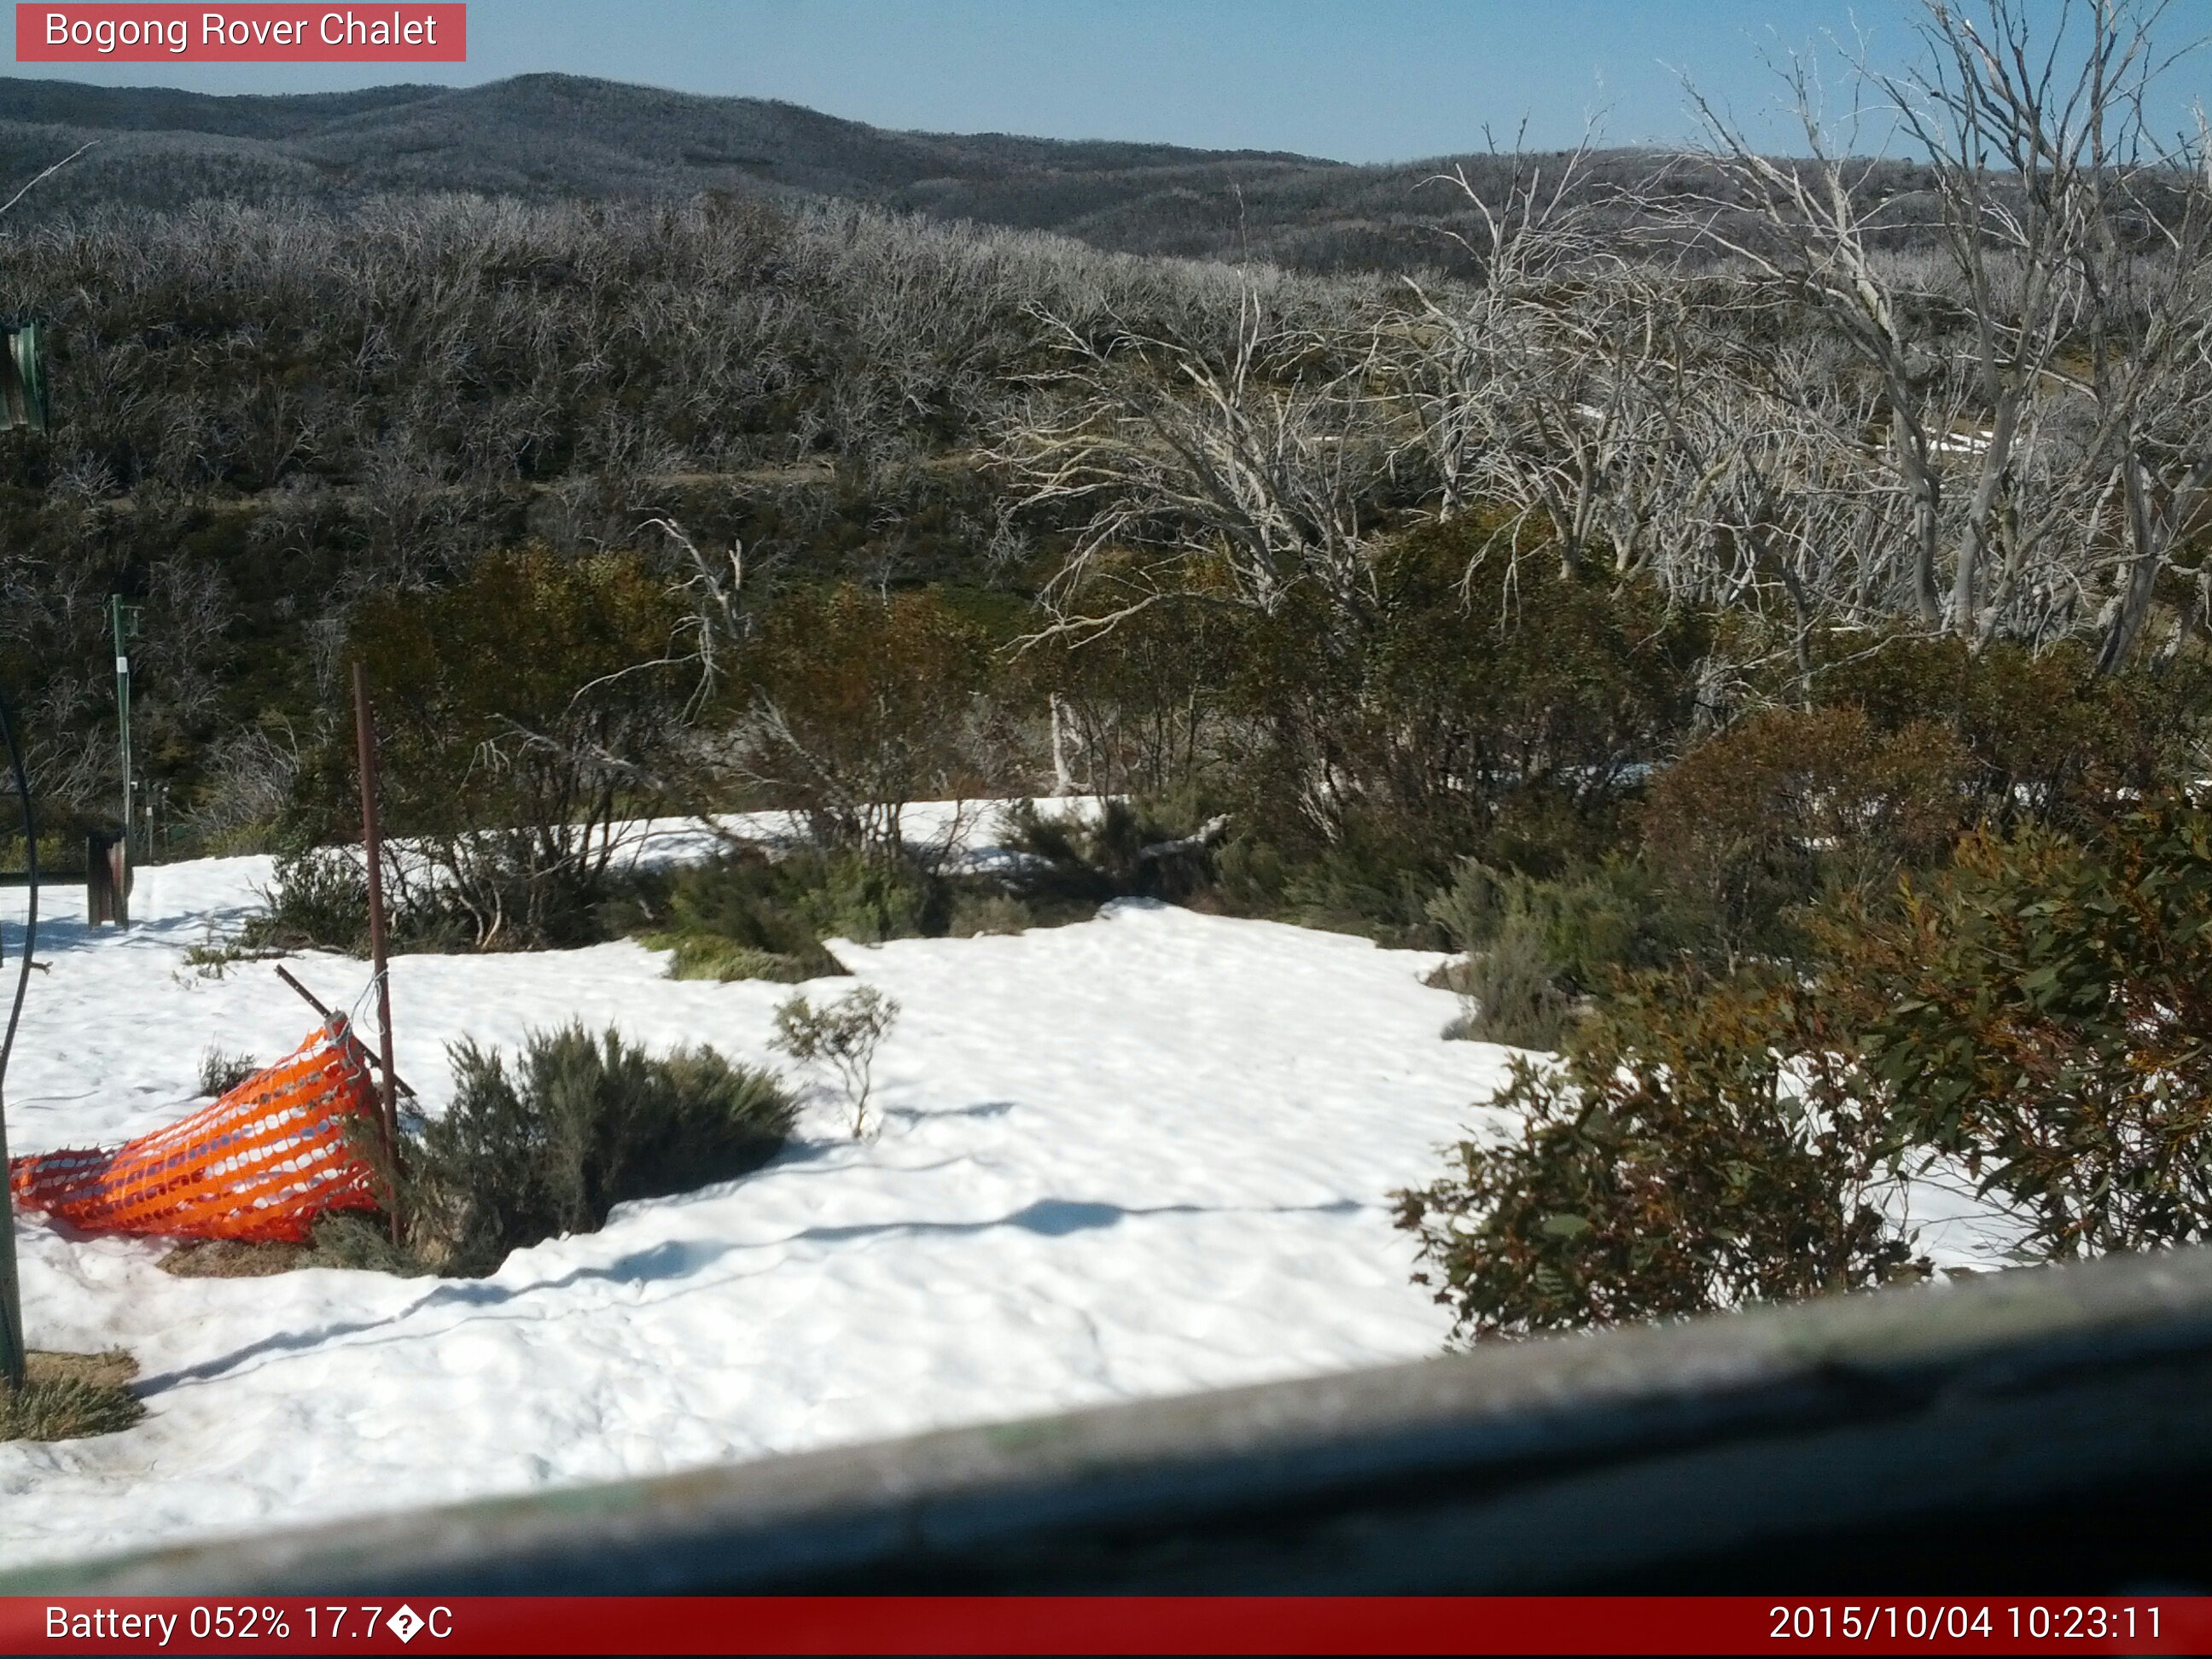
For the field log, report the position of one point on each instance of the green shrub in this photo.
(1771, 813)
(748, 915)
(745, 900)
(579, 1125)
(519, 710)
(1512, 991)
(1536, 947)
(2042, 1010)
(221, 1071)
(1147, 848)
(849, 895)
(1674, 1163)
(1471, 703)
(702, 956)
(317, 900)
(976, 914)
(1590, 923)
(2045, 737)
(860, 703)
(842, 1035)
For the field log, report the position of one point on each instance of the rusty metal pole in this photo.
(372, 847)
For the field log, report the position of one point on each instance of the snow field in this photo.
(1136, 1157)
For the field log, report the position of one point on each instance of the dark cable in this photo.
(12, 1357)
(31, 909)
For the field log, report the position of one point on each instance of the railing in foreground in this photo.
(2046, 1430)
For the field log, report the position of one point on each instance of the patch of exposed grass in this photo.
(349, 1240)
(70, 1396)
(230, 1258)
(708, 956)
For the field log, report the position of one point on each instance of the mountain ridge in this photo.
(554, 134)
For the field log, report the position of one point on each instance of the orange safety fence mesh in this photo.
(260, 1163)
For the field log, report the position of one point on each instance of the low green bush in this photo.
(2035, 1013)
(221, 1071)
(2042, 1012)
(1144, 849)
(1538, 947)
(317, 900)
(578, 1124)
(1791, 804)
(1675, 1161)
(1512, 992)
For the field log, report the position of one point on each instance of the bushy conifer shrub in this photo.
(1140, 848)
(577, 1125)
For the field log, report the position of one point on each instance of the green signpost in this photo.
(124, 620)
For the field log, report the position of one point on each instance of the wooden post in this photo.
(372, 847)
(107, 879)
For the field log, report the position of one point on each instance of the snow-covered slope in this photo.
(1142, 1156)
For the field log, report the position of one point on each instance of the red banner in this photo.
(1100, 1624)
(83, 34)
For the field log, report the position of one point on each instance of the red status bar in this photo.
(1100, 1624)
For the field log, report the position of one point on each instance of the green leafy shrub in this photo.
(579, 1125)
(1471, 704)
(1676, 1162)
(521, 712)
(1126, 848)
(842, 1035)
(860, 703)
(1790, 803)
(2043, 1011)
(2046, 737)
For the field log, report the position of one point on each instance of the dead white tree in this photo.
(2042, 399)
(1238, 472)
(1543, 387)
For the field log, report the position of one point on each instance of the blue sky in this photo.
(1355, 80)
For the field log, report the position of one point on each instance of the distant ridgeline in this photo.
(542, 136)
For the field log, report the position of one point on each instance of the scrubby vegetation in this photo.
(577, 1125)
(69, 1396)
(221, 1071)
(842, 1036)
(1703, 1146)
(536, 1146)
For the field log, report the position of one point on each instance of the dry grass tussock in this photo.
(69, 1396)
